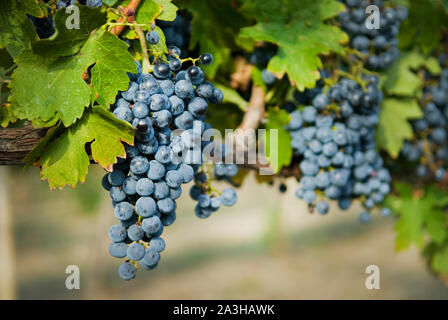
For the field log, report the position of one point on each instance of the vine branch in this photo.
(255, 111)
(16, 143)
(129, 12)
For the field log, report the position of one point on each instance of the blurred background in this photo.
(266, 247)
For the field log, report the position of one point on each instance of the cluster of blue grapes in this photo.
(429, 147)
(333, 139)
(209, 199)
(167, 109)
(379, 45)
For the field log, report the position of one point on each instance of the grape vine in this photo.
(355, 89)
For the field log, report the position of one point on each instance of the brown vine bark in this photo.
(16, 143)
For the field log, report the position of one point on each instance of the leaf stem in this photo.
(146, 67)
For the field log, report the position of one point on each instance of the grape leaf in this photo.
(39, 147)
(41, 87)
(32, 7)
(401, 79)
(113, 61)
(439, 261)
(409, 228)
(45, 88)
(169, 10)
(16, 29)
(299, 29)
(6, 64)
(67, 41)
(279, 154)
(64, 160)
(419, 211)
(436, 225)
(393, 127)
(423, 27)
(147, 11)
(214, 28)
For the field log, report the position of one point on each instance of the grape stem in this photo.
(190, 59)
(146, 66)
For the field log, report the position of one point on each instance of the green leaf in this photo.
(394, 127)
(169, 10)
(48, 84)
(436, 224)
(64, 161)
(280, 154)
(68, 42)
(32, 7)
(402, 80)
(419, 212)
(16, 29)
(6, 63)
(423, 28)
(39, 147)
(300, 30)
(147, 11)
(232, 96)
(439, 261)
(43, 86)
(50, 88)
(409, 228)
(113, 61)
(214, 28)
(5, 116)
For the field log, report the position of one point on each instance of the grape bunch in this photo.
(167, 109)
(333, 140)
(208, 199)
(429, 147)
(380, 46)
